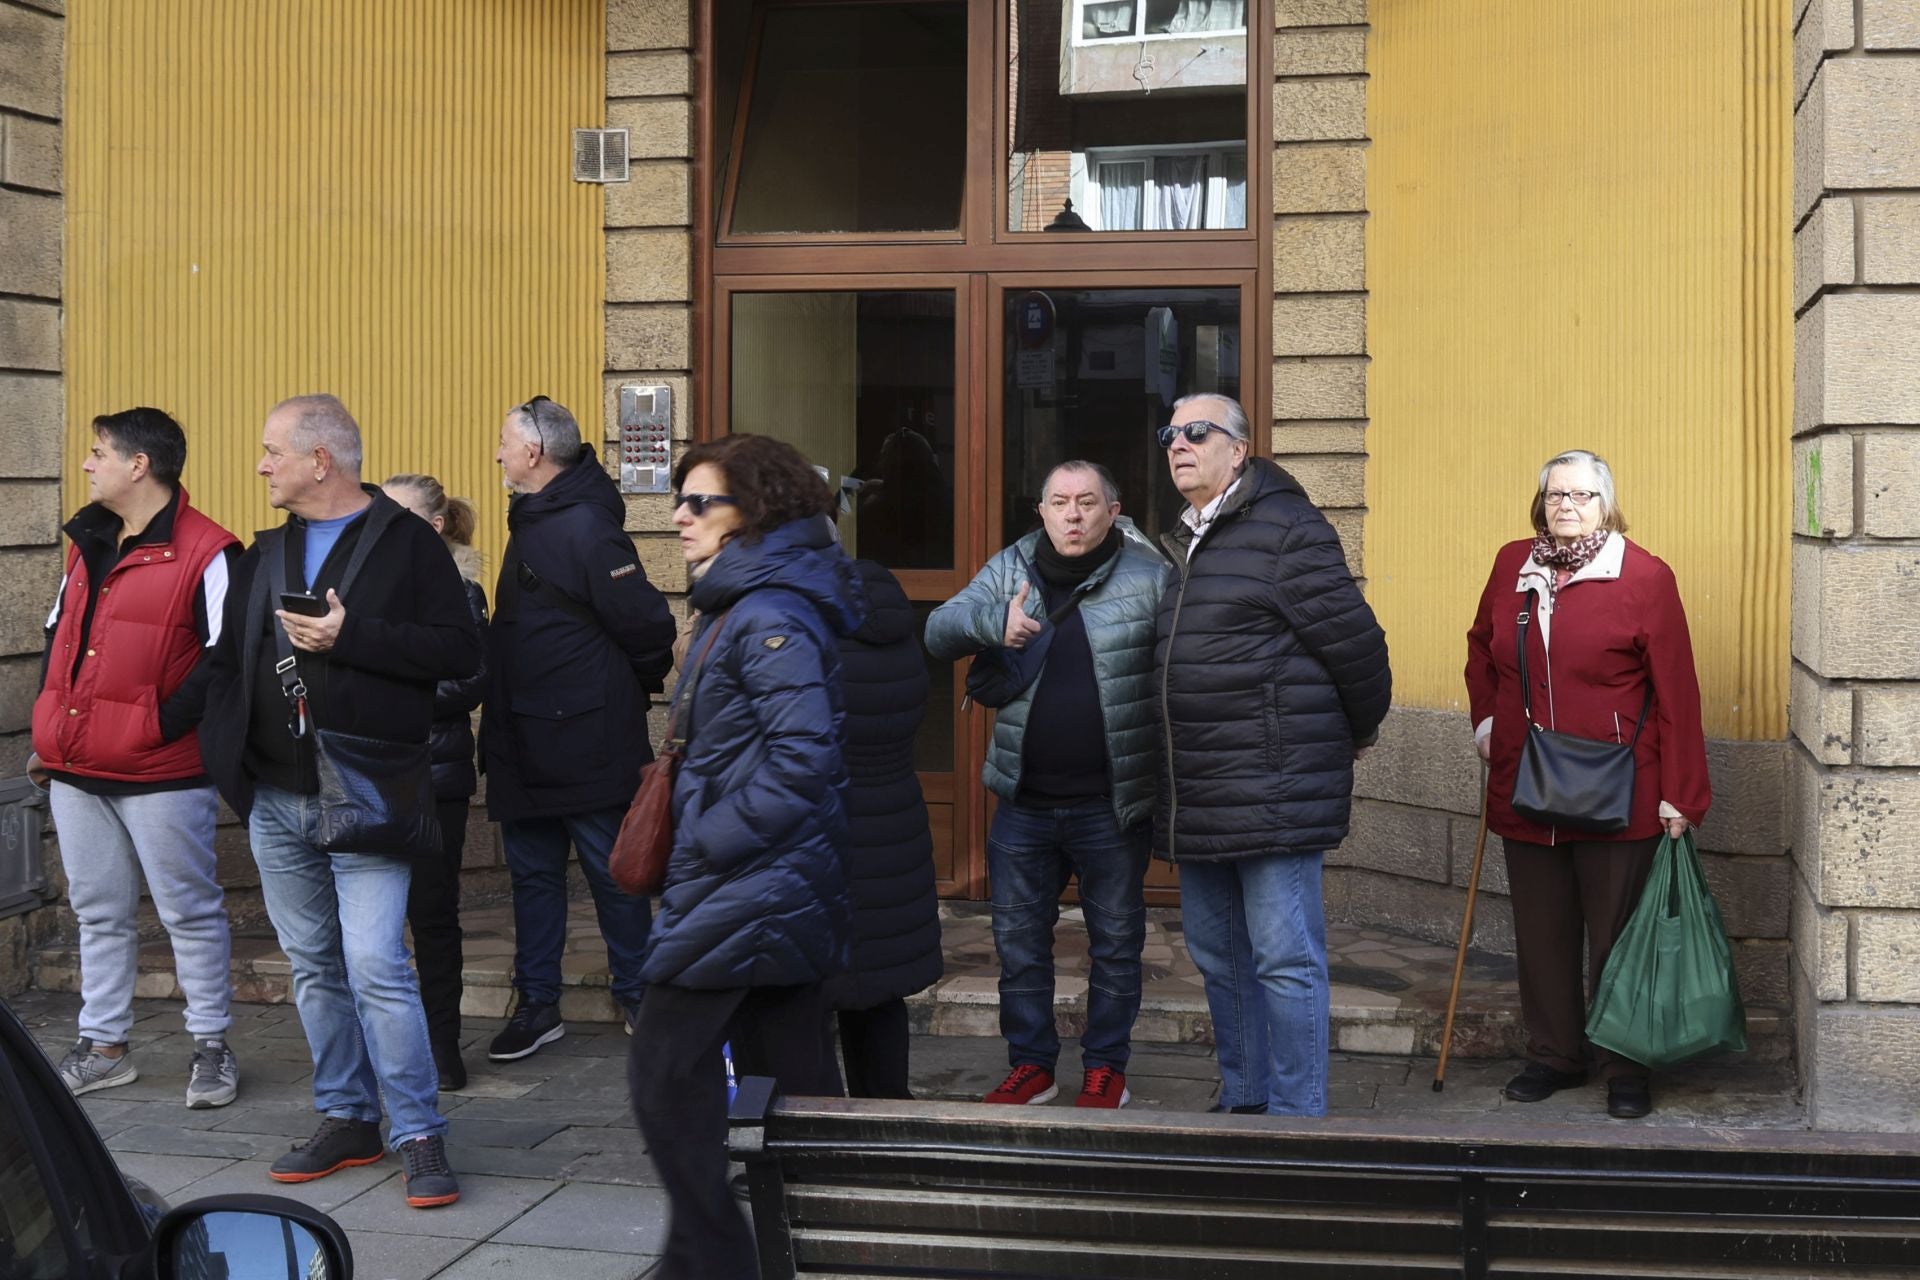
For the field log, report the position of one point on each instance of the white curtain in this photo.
(1120, 188)
(1180, 184)
(1207, 15)
(1233, 210)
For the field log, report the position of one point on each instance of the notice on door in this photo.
(1034, 369)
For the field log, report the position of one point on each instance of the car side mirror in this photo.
(249, 1237)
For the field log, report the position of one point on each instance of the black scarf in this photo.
(1065, 573)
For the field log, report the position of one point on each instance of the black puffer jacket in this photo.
(571, 660)
(454, 700)
(896, 918)
(1272, 672)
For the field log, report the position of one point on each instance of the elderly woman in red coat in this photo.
(1608, 637)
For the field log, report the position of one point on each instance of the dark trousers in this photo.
(679, 1090)
(433, 912)
(1560, 892)
(873, 1044)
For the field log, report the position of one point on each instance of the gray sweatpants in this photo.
(106, 843)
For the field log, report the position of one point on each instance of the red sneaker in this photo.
(1025, 1085)
(1104, 1087)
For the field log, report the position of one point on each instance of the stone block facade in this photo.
(32, 407)
(1855, 893)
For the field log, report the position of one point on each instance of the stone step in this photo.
(1388, 992)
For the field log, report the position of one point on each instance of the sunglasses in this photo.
(532, 409)
(699, 502)
(1195, 432)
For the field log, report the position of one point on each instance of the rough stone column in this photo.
(32, 408)
(1319, 257)
(1855, 712)
(649, 240)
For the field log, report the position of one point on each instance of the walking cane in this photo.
(1460, 956)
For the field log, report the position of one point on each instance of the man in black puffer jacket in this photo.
(578, 641)
(1273, 678)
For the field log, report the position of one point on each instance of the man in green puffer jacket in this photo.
(1073, 763)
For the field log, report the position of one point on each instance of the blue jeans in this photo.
(537, 861)
(340, 918)
(1031, 853)
(1258, 932)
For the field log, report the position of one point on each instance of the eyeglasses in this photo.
(1195, 432)
(532, 409)
(1578, 497)
(699, 502)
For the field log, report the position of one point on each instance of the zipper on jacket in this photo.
(1553, 719)
(1166, 721)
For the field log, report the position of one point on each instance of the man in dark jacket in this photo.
(1072, 762)
(578, 642)
(388, 621)
(1273, 677)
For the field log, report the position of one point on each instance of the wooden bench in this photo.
(856, 1188)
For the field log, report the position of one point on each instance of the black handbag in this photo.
(1567, 781)
(376, 796)
(997, 675)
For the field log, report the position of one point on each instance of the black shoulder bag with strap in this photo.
(376, 796)
(997, 675)
(1566, 781)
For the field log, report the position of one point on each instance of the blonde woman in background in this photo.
(433, 901)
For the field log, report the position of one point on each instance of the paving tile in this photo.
(525, 1262)
(382, 1255)
(326, 1194)
(172, 1140)
(486, 1204)
(167, 1173)
(292, 1121)
(512, 1162)
(477, 1132)
(607, 1219)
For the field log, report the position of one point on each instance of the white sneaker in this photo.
(85, 1068)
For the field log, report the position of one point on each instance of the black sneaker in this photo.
(531, 1026)
(1538, 1081)
(1628, 1097)
(453, 1072)
(426, 1176)
(337, 1144)
(1244, 1109)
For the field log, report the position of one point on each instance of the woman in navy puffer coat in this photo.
(756, 912)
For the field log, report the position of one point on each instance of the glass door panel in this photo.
(864, 382)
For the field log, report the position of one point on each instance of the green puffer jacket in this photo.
(1118, 602)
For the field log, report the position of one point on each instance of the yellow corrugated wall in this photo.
(1579, 238)
(367, 197)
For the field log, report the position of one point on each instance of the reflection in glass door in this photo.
(863, 382)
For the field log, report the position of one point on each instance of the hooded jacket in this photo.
(578, 642)
(1117, 603)
(1272, 670)
(756, 889)
(896, 917)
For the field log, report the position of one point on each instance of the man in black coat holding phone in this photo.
(365, 604)
(578, 643)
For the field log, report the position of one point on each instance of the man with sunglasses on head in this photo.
(1273, 678)
(1070, 606)
(578, 643)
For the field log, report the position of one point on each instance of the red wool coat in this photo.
(1617, 626)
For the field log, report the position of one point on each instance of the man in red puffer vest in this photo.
(115, 737)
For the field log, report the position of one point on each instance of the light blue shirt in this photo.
(321, 535)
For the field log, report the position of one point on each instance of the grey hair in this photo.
(555, 430)
(1236, 418)
(322, 422)
(1107, 484)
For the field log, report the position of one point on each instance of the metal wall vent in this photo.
(599, 155)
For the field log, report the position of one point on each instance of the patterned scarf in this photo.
(1572, 558)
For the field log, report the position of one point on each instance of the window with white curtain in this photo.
(1097, 20)
(1173, 188)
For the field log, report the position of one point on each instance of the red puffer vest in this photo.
(101, 719)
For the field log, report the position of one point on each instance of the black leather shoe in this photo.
(1628, 1098)
(1538, 1081)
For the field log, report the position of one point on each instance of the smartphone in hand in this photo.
(305, 605)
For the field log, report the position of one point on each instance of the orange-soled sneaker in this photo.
(1104, 1087)
(429, 1181)
(1025, 1086)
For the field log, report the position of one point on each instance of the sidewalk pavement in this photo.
(554, 1178)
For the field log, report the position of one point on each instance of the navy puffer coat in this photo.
(896, 917)
(1272, 670)
(756, 890)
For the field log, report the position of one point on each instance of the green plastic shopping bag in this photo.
(1668, 992)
